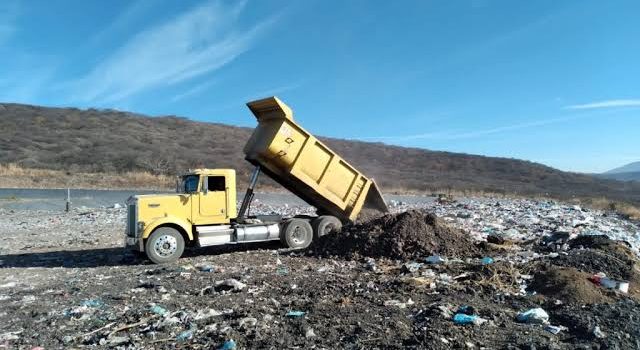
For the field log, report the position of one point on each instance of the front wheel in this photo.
(297, 233)
(164, 245)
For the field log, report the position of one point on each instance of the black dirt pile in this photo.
(594, 261)
(403, 236)
(568, 285)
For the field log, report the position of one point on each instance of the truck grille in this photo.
(132, 223)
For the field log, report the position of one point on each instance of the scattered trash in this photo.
(486, 260)
(8, 336)
(602, 280)
(446, 310)
(411, 267)
(467, 310)
(207, 268)
(295, 313)
(309, 333)
(623, 287)
(8, 285)
(555, 329)
(248, 322)
(537, 315)
(371, 264)
(598, 333)
(157, 309)
(282, 271)
(93, 303)
(435, 259)
(229, 284)
(398, 303)
(228, 345)
(462, 319)
(204, 315)
(152, 304)
(117, 340)
(184, 336)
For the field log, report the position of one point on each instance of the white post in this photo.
(68, 206)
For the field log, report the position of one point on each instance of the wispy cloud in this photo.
(273, 91)
(126, 18)
(197, 42)
(9, 12)
(607, 104)
(193, 91)
(457, 134)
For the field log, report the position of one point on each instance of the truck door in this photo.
(212, 208)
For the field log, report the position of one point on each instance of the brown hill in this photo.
(106, 141)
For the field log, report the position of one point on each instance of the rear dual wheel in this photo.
(325, 224)
(297, 234)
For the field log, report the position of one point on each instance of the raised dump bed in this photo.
(302, 164)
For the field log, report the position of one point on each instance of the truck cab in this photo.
(203, 213)
(211, 194)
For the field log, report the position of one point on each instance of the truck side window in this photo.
(190, 183)
(216, 183)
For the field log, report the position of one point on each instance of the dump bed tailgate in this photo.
(305, 166)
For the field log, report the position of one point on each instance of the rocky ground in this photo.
(404, 280)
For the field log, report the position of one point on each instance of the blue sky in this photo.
(556, 82)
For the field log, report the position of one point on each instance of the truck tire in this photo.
(297, 234)
(164, 245)
(325, 224)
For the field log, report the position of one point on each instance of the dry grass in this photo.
(626, 209)
(14, 176)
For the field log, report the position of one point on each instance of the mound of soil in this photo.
(594, 261)
(613, 258)
(619, 249)
(568, 285)
(403, 236)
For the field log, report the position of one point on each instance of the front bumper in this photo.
(132, 238)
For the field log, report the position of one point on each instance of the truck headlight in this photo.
(140, 226)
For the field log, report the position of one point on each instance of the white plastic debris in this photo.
(537, 315)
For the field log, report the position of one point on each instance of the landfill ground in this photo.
(65, 282)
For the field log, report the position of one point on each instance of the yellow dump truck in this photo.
(203, 212)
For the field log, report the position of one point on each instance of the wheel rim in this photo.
(298, 235)
(165, 245)
(328, 229)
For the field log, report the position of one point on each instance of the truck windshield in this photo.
(189, 184)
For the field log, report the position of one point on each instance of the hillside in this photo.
(628, 172)
(623, 176)
(112, 141)
(628, 168)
